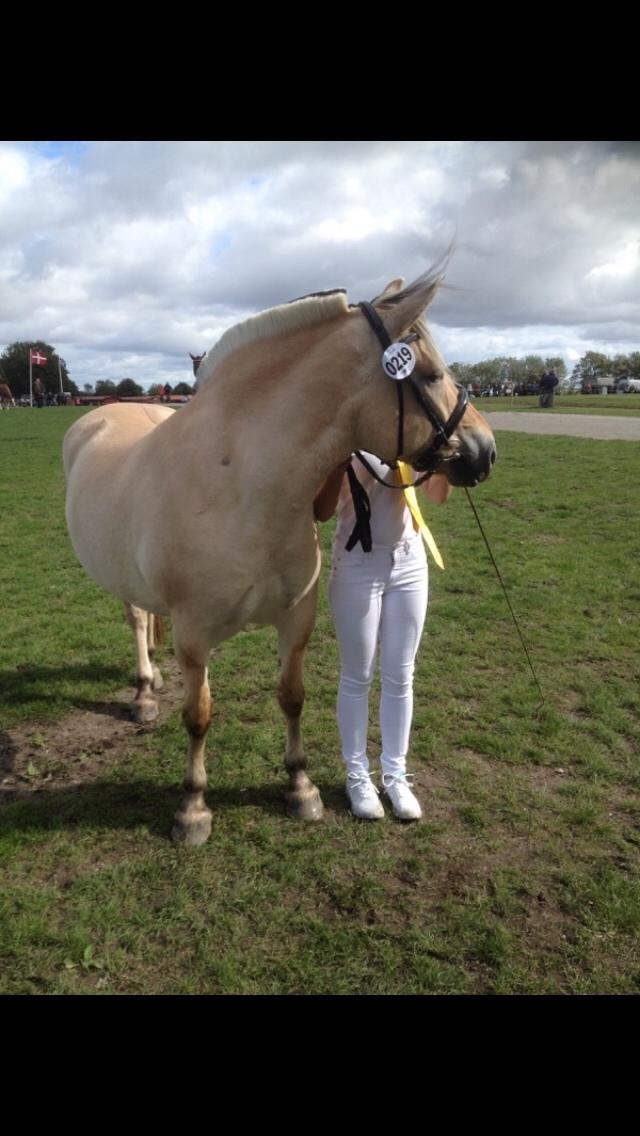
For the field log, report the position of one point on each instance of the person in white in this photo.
(379, 595)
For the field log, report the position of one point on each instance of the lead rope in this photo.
(506, 596)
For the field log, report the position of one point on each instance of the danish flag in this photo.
(38, 358)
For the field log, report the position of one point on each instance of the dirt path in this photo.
(575, 425)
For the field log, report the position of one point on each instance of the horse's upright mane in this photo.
(275, 321)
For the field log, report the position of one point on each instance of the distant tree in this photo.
(594, 365)
(155, 389)
(556, 363)
(87, 388)
(128, 389)
(14, 362)
(105, 387)
(463, 372)
(183, 388)
(634, 365)
(626, 366)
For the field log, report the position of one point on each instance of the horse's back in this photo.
(110, 489)
(112, 428)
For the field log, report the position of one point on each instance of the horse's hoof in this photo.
(144, 711)
(307, 806)
(193, 831)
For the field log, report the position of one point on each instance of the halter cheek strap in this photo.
(385, 339)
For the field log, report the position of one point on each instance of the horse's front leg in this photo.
(193, 818)
(155, 635)
(302, 797)
(145, 706)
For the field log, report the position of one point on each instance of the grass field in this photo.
(523, 877)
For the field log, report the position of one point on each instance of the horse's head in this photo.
(196, 361)
(437, 428)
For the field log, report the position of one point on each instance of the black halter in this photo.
(424, 462)
(443, 430)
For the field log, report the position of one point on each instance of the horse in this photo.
(196, 361)
(6, 397)
(206, 515)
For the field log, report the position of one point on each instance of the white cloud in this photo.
(128, 255)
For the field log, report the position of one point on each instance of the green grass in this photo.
(61, 637)
(523, 877)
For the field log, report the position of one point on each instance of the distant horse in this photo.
(207, 514)
(196, 361)
(6, 397)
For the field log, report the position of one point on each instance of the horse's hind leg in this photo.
(193, 818)
(145, 706)
(302, 797)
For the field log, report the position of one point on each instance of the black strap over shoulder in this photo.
(362, 528)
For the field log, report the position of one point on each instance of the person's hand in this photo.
(438, 488)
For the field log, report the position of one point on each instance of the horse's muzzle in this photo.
(472, 466)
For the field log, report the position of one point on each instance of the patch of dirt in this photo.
(36, 756)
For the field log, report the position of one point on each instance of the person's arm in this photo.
(326, 499)
(437, 488)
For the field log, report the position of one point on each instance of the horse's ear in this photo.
(400, 309)
(392, 287)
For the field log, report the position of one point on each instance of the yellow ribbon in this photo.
(406, 476)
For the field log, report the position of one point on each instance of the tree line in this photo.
(14, 369)
(506, 370)
(127, 388)
(497, 372)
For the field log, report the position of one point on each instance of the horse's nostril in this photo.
(493, 455)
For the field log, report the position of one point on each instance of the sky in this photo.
(126, 256)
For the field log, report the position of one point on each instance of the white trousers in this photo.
(378, 596)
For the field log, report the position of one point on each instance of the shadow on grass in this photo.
(121, 711)
(33, 683)
(8, 752)
(122, 805)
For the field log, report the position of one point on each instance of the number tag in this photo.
(398, 361)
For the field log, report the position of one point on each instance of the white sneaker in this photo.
(405, 804)
(363, 797)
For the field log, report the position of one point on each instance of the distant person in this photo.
(168, 389)
(38, 391)
(547, 387)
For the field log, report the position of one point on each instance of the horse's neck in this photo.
(289, 426)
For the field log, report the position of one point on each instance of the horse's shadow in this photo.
(121, 711)
(34, 683)
(125, 805)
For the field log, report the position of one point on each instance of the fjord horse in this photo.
(206, 514)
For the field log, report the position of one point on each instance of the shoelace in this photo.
(388, 780)
(361, 781)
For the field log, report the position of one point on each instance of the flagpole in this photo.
(30, 378)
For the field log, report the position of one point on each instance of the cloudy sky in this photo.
(127, 255)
